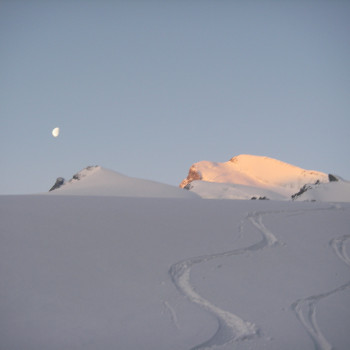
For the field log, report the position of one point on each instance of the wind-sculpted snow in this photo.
(231, 327)
(306, 308)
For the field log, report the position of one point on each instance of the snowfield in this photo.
(112, 272)
(105, 261)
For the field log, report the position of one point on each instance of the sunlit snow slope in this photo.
(98, 181)
(248, 176)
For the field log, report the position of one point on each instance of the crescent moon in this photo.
(55, 132)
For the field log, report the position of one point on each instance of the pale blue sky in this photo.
(147, 88)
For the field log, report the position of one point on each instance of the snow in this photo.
(215, 190)
(246, 174)
(328, 192)
(98, 181)
(323, 192)
(107, 261)
(115, 272)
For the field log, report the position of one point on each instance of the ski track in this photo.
(305, 308)
(230, 326)
(338, 245)
(172, 313)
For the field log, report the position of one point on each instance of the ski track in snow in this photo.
(172, 313)
(230, 326)
(338, 245)
(305, 308)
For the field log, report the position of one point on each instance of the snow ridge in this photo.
(98, 181)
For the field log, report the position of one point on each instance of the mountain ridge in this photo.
(242, 177)
(252, 170)
(259, 177)
(99, 181)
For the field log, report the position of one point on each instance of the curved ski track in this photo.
(230, 326)
(305, 308)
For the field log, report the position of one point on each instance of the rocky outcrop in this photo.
(193, 174)
(60, 181)
(83, 173)
(303, 189)
(306, 187)
(332, 178)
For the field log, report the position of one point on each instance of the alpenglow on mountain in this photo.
(243, 177)
(257, 177)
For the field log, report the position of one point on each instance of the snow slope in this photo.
(215, 190)
(98, 181)
(324, 192)
(327, 192)
(247, 174)
(81, 272)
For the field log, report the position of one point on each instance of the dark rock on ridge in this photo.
(301, 191)
(59, 182)
(332, 178)
(79, 175)
(304, 189)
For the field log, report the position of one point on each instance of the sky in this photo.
(147, 88)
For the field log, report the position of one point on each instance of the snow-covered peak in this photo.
(98, 181)
(272, 171)
(254, 171)
(258, 172)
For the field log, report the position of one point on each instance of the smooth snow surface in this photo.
(245, 176)
(214, 190)
(80, 272)
(98, 181)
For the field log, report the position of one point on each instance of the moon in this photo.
(55, 132)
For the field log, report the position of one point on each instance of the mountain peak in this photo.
(98, 181)
(258, 172)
